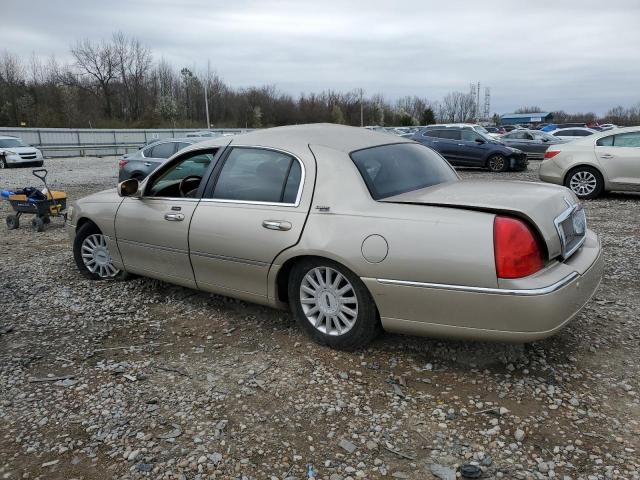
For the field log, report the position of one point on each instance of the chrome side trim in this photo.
(492, 291)
(231, 259)
(155, 247)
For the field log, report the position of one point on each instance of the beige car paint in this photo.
(619, 166)
(443, 245)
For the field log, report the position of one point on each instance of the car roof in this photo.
(572, 128)
(296, 137)
(8, 137)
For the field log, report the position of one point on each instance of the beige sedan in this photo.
(354, 231)
(595, 164)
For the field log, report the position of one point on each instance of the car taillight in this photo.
(121, 163)
(550, 154)
(516, 248)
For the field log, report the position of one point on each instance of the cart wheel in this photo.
(13, 222)
(46, 220)
(37, 224)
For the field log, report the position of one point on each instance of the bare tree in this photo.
(457, 107)
(98, 62)
(134, 63)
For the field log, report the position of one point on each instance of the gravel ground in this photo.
(143, 379)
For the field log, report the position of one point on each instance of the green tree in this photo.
(428, 117)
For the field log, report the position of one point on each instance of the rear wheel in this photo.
(497, 163)
(332, 304)
(586, 182)
(91, 254)
(13, 222)
(3, 163)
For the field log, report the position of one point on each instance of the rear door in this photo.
(254, 209)
(619, 156)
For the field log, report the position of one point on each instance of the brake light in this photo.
(550, 154)
(121, 163)
(516, 248)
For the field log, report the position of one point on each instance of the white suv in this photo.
(15, 153)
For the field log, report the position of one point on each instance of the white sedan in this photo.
(592, 165)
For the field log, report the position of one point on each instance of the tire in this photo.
(586, 182)
(497, 163)
(13, 222)
(46, 220)
(39, 164)
(3, 163)
(37, 224)
(353, 323)
(98, 269)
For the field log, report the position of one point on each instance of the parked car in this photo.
(572, 133)
(608, 126)
(509, 128)
(15, 153)
(141, 163)
(352, 230)
(203, 133)
(532, 142)
(495, 132)
(467, 147)
(595, 164)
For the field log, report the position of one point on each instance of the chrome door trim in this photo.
(251, 202)
(148, 245)
(231, 259)
(492, 291)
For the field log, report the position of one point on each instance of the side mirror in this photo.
(129, 188)
(479, 141)
(545, 139)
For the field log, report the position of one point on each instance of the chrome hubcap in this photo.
(328, 301)
(496, 163)
(583, 183)
(96, 256)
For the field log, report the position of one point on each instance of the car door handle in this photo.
(461, 144)
(174, 217)
(276, 225)
(606, 155)
(147, 164)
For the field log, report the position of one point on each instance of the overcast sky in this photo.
(574, 55)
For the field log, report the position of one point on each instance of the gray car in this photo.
(532, 142)
(141, 163)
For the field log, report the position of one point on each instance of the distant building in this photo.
(516, 118)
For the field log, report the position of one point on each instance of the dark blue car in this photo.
(465, 147)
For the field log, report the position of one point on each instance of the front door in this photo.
(254, 210)
(153, 231)
(619, 156)
(472, 149)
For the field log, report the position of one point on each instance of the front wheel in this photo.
(91, 254)
(3, 163)
(497, 163)
(585, 182)
(332, 304)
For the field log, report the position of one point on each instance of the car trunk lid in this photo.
(539, 204)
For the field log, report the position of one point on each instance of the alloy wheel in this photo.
(328, 301)
(583, 183)
(96, 256)
(496, 163)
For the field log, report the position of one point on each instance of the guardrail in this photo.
(83, 148)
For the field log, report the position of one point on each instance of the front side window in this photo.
(183, 177)
(449, 134)
(259, 175)
(582, 133)
(390, 170)
(470, 136)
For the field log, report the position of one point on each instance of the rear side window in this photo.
(582, 133)
(605, 141)
(258, 175)
(450, 134)
(162, 150)
(627, 140)
(390, 170)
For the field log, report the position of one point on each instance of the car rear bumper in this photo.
(521, 314)
(550, 172)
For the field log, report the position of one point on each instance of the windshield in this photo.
(390, 170)
(11, 142)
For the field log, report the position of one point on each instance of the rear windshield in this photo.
(390, 170)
